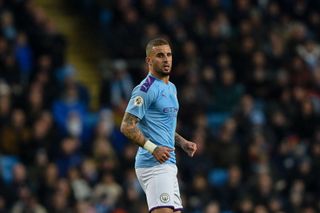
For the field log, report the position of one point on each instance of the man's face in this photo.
(160, 59)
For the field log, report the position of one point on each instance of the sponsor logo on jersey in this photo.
(170, 109)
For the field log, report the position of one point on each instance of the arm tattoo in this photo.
(179, 139)
(130, 130)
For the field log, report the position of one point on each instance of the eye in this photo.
(160, 55)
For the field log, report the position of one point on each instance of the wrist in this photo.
(182, 143)
(149, 146)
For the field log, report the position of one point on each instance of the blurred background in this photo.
(248, 79)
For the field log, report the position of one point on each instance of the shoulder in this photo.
(148, 88)
(172, 85)
(149, 85)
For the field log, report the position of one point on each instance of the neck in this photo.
(164, 78)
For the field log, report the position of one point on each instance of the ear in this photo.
(148, 60)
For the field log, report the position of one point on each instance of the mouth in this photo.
(166, 67)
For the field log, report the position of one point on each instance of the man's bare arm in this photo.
(130, 130)
(179, 139)
(189, 147)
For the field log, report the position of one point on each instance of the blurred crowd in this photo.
(248, 80)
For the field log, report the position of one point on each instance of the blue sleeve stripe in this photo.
(147, 84)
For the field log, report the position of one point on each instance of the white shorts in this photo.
(161, 186)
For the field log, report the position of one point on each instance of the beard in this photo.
(162, 71)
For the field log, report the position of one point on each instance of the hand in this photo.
(189, 147)
(162, 153)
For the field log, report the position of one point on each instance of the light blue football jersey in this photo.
(155, 103)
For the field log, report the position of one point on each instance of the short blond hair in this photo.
(155, 42)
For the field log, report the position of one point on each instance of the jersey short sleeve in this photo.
(140, 101)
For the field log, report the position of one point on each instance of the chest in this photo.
(167, 102)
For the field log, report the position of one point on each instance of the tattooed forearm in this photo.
(179, 139)
(130, 130)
